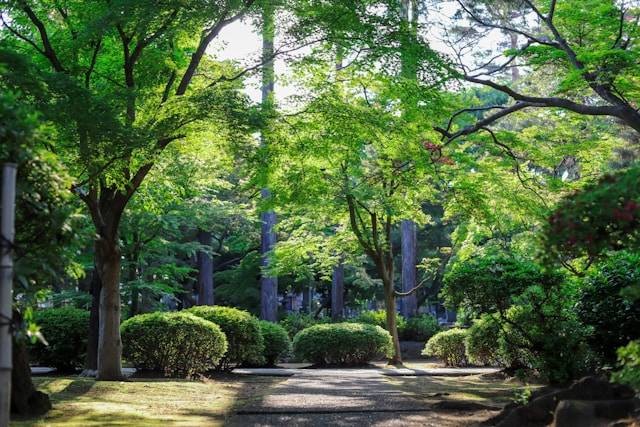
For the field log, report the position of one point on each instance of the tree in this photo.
(589, 44)
(121, 74)
(268, 283)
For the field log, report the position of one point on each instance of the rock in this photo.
(592, 413)
(612, 402)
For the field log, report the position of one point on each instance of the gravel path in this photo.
(346, 397)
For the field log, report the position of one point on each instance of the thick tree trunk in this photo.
(94, 325)
(408, 304)
(205, 270)
(109, 343)
(25, 399)
(337, 293)
(268, 284)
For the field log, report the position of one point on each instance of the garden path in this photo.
(341, 397)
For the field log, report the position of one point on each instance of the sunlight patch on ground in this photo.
(149, 402)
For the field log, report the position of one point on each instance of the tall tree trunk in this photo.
(109, 342)
(268, 284)
(94, 325)
(337, 293)
(408, 304)
(205, 270)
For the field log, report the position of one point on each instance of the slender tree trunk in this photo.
(94, 325)
(337, 293)
(408, 304)
(268, 284)
(109, 343)
(392, 327)
(205, 270)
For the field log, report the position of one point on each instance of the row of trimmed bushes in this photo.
(176, 343)
(203, 338)
(418, 328)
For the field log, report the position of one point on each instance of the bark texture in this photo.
(337, 293)
(205, 270)
(94, 323)
(408, 304)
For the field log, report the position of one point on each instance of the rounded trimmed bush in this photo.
(379, 318)
(449, 346)
(420, 328)
(66, 330)
(295, 322)
(342, 344)
(243, 334)
(277, 343)
(483, 342)
(176, 344)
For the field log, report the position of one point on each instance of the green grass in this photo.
(144, 402)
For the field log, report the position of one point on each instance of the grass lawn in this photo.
(145, 402)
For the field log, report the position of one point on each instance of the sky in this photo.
(241, 42)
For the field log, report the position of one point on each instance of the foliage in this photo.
(379, 318)
(176, 344)
(65, 330)
(492, 282)
(342, 344)
(44, 218)
(603, 216)
(482, 343)
(419, 328)
(242, 330)
(277, 343)
(629, 362)
(295, 322)
(614, 319)
(449, 346)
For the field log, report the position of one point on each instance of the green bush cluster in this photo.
(613, 319)
(176, 344)
(420, 328)
(295, 322)
(246, 345)
(277, 343)
(629, 363)
(342, 344)
(449, 346)
(482, 344)
(379, 318)
(65, 330)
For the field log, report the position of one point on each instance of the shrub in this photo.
(379, 318)
(243, 334)
(342, 344)
(449, 346)
(176, 344)
(277, 343)
(66, 330)
(482, 344)
(614, 319)
(629, 362)
(295, 322)
(420, 328)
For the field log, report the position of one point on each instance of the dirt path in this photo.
(362, 397)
